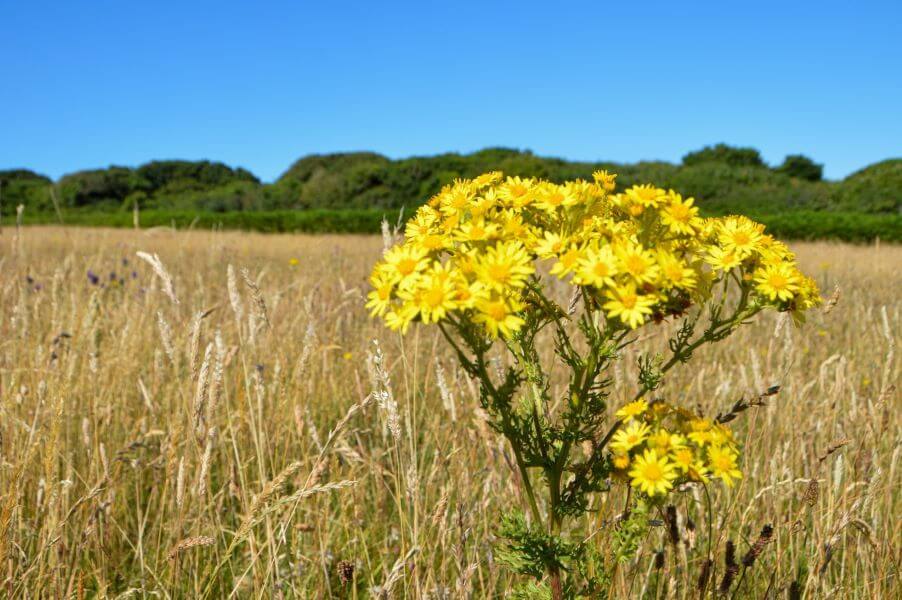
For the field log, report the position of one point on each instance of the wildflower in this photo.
(680, 216)
(777, 281)
(652, 473)
(723, 259)
(740, 235)
(638, 262)
(630, 306)
(498, 315)
(632, 410)
(505, 266)
(400, 262)
(597, 267)
(722, 462)
(293, 262)
(633, 435)
(606, 180)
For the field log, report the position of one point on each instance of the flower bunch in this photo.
(492, 258)
(642, 254)
(660, 446)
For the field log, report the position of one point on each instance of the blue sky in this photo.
(258, 84)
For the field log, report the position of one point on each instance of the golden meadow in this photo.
(228, 444)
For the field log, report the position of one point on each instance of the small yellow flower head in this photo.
(632, 410)
(653, 473)
(293, 262)
(722, 463)
(629, 437)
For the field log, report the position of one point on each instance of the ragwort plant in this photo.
(480, 260)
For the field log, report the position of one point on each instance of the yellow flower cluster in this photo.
(659, 446)
(473, 250)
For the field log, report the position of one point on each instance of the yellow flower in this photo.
(722, 462)
(626, 303)
(379, 299)
(637, 262)
(516, 192)
(348, 355)
(550, 244)
(293, 262)
(402, 261)
(680, 216)
(664, 441)
(629, 411)
(505, 266)
(633, 435)
(567, 261)
(597, 267)
(723, 258)
(606, 180)
(740, 235)
(646, 196)
(687, 462)
(551, 197)
(621, 461)
(498, 315)
(476, 231)
(401, 318)
(435, 294)
(778, 281)
(675, 273)
(652, 473)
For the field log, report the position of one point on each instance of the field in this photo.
(227, 444)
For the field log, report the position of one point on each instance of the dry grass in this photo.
(222, 436)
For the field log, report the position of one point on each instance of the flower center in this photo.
(653, 472)
(406, 266)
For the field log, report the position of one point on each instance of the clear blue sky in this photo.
(258, 84)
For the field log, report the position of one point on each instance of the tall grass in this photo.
(251, 433)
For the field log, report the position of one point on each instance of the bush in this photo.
(728, 155)
(801, 167)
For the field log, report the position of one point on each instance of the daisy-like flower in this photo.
(680, 217)
(675, 273)
(567, 261)
(505, 266)
(639, 263)
(516, 192)
(435, 294)
(607, 181)
(632, 410)
(379, 299)
(627, 438)
(653, 473)
(723, 259)
(400, 262)
(499, 315)
(722, 462)
(686, 461)
(626, 303)
(597, 267)
(741, 235)
(778, 281)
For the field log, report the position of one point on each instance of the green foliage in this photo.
(801, 167)
(723, 179)
(630, 532)
(21, 186)
(877, 188)
(796, 224)
(728, 155)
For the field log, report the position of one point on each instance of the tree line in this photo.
(722, 178)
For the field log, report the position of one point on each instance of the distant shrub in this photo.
(874, 189)
(801, 167)
(728, 155)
